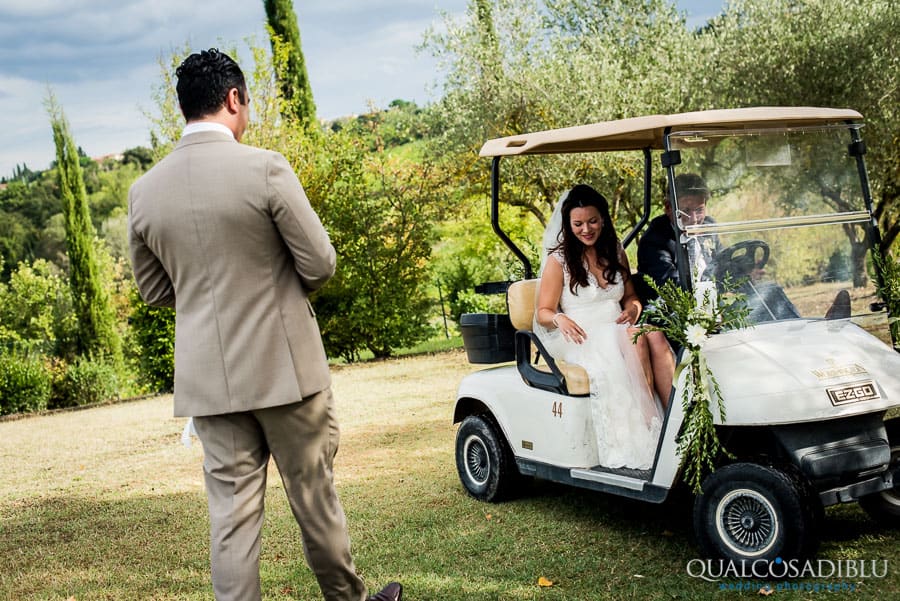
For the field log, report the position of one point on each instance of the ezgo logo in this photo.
(714, 570)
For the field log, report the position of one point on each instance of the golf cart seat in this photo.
(552, 375)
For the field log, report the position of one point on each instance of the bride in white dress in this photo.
(586, 306)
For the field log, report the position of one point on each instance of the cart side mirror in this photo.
(877, 306)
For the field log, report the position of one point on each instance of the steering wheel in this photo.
(741, 259)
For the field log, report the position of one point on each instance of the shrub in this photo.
(152, 343)
(36, 310)
(889, 289)
(24, 384)
(469, 301)
(83, 382)
(380, 213)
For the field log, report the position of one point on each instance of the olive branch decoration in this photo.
(687, 320)
(888, 286)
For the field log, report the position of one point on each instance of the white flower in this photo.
(696, 334)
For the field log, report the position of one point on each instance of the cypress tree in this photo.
(293, 80)
(98, 336)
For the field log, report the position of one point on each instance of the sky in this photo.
(101, 58)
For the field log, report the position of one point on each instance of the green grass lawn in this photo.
(105, 503)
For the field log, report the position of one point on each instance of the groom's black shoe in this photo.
(392, 592)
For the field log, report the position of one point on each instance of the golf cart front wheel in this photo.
(749, 511)
(485, 464)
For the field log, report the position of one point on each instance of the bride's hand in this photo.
(630, 315)
(571, 331)
(626, 317)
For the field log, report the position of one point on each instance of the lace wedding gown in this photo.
(627, 418)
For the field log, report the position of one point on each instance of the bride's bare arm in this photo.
(631, 305)
(549, 294)
(548, 314)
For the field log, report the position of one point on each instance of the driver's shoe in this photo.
(392, 592)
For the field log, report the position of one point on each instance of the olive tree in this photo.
(561, 63)
(529, 65)
(815, 53)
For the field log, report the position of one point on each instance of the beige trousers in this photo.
(303, 439)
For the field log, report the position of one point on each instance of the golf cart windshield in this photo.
(788, 217)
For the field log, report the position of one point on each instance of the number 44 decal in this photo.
(557, 408)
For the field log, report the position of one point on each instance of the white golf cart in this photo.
(806, 388)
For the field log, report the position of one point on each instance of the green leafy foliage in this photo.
(111, 195)
(83, 382)
(460, 280)
(16, 239)
(152, 343)
(688, 321)
(381, 214)
(292, 76)
(36, 311)
(813, 53)
(98, 335)
(889, 290)
(24, 383)
(26, 205)
(401, 123)
(515, 66)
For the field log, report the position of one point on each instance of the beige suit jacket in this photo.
(224, 233)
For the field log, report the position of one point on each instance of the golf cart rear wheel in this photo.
(884, 506)
(749, 511)
(484, 461)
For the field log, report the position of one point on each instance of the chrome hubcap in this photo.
(746, 522)
(477, 460)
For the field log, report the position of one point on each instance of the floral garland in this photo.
(888, 286)
(687, 319)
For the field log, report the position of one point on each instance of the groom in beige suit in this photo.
(224, 233)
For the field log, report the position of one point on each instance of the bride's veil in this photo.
(553, 231)
(551, 338)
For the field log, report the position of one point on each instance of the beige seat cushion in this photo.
(521, 297)
(577, 381)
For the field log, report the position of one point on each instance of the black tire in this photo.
(486, 466)
(749, 511)
(884, 506)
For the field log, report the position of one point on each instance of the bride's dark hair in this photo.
(607, 245)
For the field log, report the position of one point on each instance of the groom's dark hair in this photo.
(607, 245)
(204, 79)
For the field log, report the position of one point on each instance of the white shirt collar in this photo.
(199, 126)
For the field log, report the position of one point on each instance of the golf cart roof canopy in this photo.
(638, 133)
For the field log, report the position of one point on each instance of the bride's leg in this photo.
(643, 352)
(663, 364)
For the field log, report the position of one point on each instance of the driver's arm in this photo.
(656, 258)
